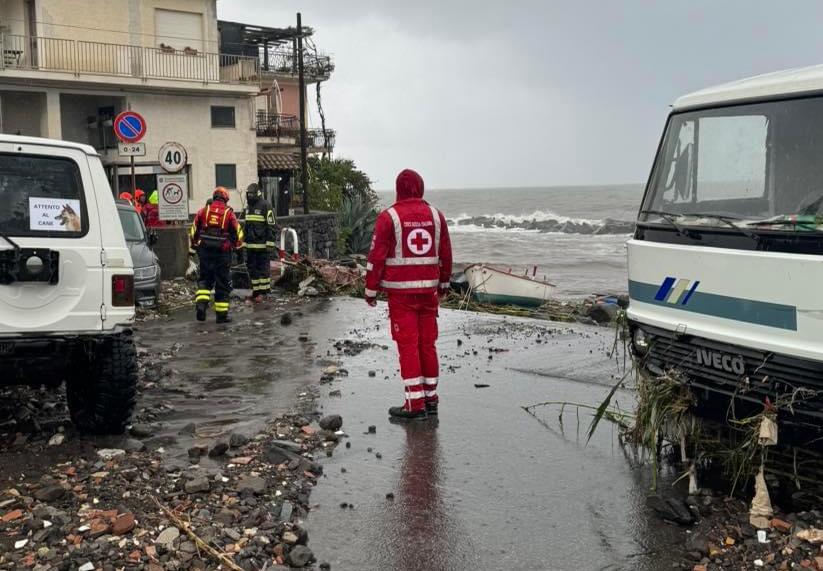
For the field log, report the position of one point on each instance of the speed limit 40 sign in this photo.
(172, 157)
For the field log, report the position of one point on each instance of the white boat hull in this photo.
(491, 285)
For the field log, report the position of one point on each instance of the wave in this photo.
(541, 221)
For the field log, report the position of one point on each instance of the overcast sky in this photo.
(474, 93)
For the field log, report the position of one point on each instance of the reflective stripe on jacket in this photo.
(218, 224)
(259, 226)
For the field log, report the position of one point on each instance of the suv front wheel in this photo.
(102, 387)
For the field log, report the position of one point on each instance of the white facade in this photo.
(70, 65)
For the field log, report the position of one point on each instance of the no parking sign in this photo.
(173, 196)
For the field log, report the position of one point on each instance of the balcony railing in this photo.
(282, 61)
(78, 57)
(286, 129)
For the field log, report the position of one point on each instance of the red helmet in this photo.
(125, 196)
(220, 193)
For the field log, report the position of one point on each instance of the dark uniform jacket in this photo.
(259, 224)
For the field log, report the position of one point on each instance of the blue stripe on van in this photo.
(738, 309)
(664, 290)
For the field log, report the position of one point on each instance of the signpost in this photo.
(130, 128)
(173, 195)
(173, 157)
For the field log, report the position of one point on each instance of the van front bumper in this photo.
(722, 374)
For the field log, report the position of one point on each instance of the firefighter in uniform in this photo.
(411, 260)
(215, 232)
(259, 236)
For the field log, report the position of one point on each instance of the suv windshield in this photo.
(132, 225)
(755, 165)
(41, 196)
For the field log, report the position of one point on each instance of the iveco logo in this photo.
(720, 361)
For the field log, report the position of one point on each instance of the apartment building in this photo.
(70, 66)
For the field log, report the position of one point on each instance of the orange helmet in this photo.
(220, 193)
(125, 196)
(138, 194)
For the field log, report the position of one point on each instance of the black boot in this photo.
(201, 311)
(431, 408)
(223, 317)
(400, 413)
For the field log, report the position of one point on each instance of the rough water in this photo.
(574, 235)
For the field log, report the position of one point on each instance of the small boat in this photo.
(502, 287)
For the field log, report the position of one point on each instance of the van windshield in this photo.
(41, 196)
(755, 165)
(132, 225)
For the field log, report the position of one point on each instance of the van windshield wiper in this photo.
(807, 221)
(729, 221)
(669, 217)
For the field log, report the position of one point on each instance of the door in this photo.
(47, 204)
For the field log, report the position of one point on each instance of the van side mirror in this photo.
(152, 237)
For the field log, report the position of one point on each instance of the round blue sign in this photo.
(129, 126)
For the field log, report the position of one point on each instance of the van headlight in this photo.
(147, 273)
(640, 341)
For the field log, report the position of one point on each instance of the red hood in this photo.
(409, 185)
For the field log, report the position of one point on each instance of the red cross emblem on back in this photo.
(419, 241)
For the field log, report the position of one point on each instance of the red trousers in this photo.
(414, 329)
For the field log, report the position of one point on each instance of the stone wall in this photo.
(317, 233)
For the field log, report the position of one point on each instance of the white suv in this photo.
(66, 281)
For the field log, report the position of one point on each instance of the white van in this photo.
(726, 263)
(66, 281)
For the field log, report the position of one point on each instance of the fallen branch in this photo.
(202, 545)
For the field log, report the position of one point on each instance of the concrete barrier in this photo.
(172, 249)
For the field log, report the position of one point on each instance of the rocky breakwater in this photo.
(239, 505)
(545, 225)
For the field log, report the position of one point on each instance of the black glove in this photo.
(241, 256)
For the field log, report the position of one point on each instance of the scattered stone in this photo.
(482, 385)
(372, 373)
(107, 454)
(379, 456)
(141, 431)
(237, 440)
(286, 319)
(167, 537)
(781, 525)
(86, 567)
(290, 537)
(671, 509)
(50, 493)
(197, 485)
(390, 496)
(331, 422)
(218, 450)
(255, 484)
(123, 524)
(300, 556)
(198, 451)
(57, 439)
(372, 429)
(348, 444)
(188, 430)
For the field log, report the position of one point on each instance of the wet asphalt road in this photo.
(487, 486)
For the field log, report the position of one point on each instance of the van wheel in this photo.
(102, 393)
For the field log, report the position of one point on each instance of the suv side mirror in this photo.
(152, 237)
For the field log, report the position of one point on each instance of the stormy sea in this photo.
(574, 235)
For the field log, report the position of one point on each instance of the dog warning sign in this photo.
(173, 199)
(54, 214)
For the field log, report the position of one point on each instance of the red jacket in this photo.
(411, 250)
(151, 216)
(216, 225)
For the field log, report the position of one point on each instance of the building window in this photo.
(225, 175)
(222, 116)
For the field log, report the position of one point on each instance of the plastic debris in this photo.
(768, 432)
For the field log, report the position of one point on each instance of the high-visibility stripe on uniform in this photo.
(414, 284)
(398, 233)
(270, 244)
(221, 306)
(202, 295)
(413, 382)
(436, 218)
(370, 292)
(369, 266)
(255, 218)
(256, 246)
(427, 261)
(415, 395)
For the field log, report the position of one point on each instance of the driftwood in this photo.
(202, 545)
